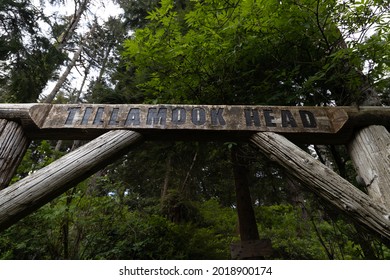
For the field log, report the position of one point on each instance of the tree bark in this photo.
(246, 215)
(325, 183)
(69, 32)
(370, 153)
(13, 145)
(183, 186)
(64, 76)
(32, 192)
(168, 170)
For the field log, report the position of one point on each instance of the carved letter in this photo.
(114, 117)
(252, 116)
(99, 116)
(216, 117)
(178, 115)
(269, 118)
(288, 119)
(157, 117)
(87, 114)
(133, 117)
(72, 112)
(308, 119)
(198, 116)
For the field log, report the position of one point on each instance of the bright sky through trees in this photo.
(97, 10)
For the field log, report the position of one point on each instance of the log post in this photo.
(246, 215)
(370, 153)
(250, 246)
(30, 193)
(325, 182)
(13, 145)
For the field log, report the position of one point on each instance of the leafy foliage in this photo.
(284, 52)
(28, 58)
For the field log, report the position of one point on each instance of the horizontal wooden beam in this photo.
(298, 123)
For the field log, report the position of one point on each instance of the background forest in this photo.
(192, 200)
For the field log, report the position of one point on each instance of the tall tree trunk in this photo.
(167, 176)
(186, 179)
(103, 68)
(65, 226)
(72, 63)
(64, 76)
(77, 95)
(246, 215)
(295, 194)
(69, 32)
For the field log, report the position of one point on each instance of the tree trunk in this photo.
(32, 192)
(69, 32)
(168, 170)
(186, 179)
(250, 246)
(64, 76)
(325, 183)
(246, 215)
(296, 196)
(370, 153)
(13, 145)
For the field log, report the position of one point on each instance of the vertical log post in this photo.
(370, 153)
(246, 215)
(250, 246)
(13, 145)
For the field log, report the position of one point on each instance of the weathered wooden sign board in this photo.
(87, 121)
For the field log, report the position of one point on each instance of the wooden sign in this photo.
(192, 117)
(86, 121)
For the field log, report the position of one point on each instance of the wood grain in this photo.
(325, 182)
(370, 153)
(28, 194)
(13, 145)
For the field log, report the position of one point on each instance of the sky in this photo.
(99, 8)
(103, 9)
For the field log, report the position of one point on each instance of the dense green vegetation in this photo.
(177, 200)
